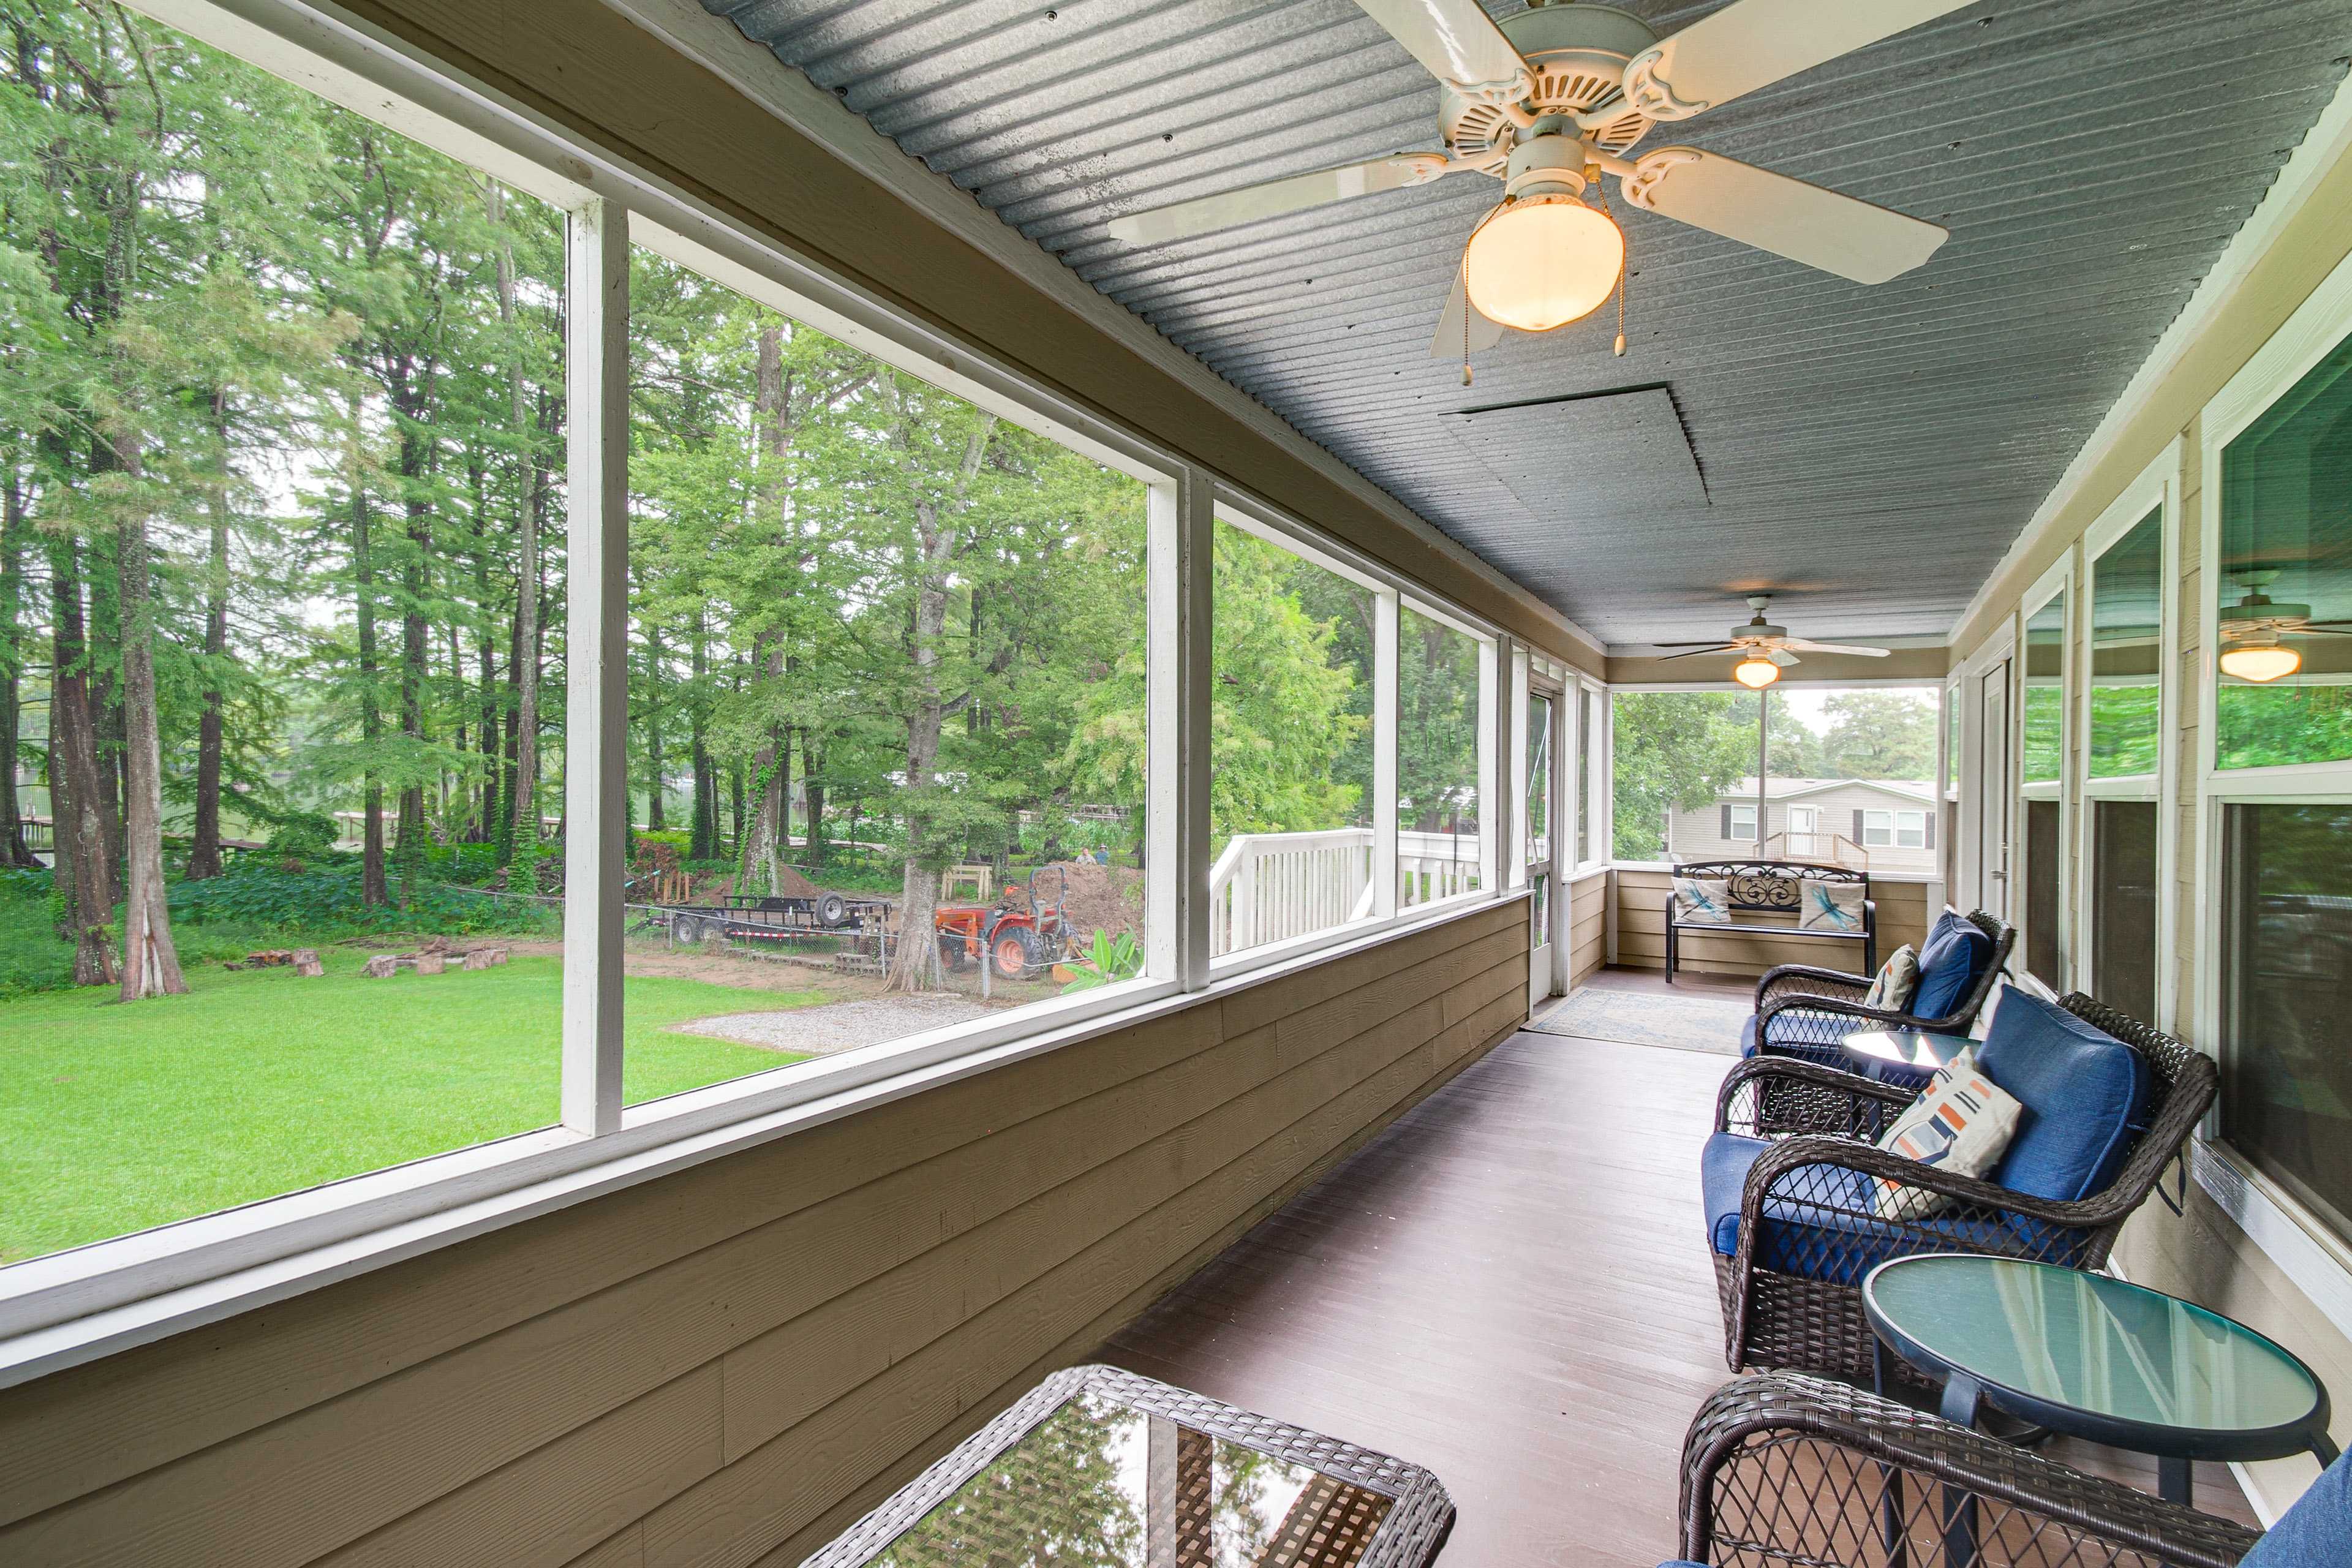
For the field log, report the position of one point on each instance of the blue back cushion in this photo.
(1955, 955)
(2315, 1532)
(2084, 1093)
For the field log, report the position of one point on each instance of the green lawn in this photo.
(115, 1117)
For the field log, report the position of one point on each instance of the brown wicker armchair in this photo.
(1804, 1012)
(1808, 1229)
(1785, 1469)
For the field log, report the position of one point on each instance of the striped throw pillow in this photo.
(1962, 1122)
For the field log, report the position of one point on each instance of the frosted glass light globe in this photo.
(1543, 261)
(2261, 660)
(1756, 672)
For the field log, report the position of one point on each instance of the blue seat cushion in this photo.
(1748, 1034)
(2085, 1092)
(2313, 1533)
(1803, 1239)
(1953, 958)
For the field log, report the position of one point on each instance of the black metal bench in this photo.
(1772, 886)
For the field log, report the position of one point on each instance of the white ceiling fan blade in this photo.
(1852, 238)
(1455, 40)
(1703, 652)
(1836, 647)
(1450, 342)
(1783, 658)
(1276, 197)
(1754, 43)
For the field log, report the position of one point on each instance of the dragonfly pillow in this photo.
(1962, 1122)
(1828, 906)
(1702, 901)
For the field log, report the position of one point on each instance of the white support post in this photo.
(597, 707)
(1494, 744)
(1514, 771)
(1384, 754)
(1180, 591)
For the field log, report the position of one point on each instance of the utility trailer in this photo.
(770, 918)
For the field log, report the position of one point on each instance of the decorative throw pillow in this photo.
(1828, 906)
(1897, 978)
(1962, 1122)
(1702, 901)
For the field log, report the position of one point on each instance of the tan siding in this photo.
(1587, 927)
(694, 1370)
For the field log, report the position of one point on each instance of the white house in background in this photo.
(1874, 824)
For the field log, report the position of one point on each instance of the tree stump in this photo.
(484, 957)
(306, 962)
(383, 966)
(430, 964)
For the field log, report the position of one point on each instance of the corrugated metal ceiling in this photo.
(1867, 453)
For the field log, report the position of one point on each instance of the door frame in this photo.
(2060, 579)
(1998, 653)
(1547, 962)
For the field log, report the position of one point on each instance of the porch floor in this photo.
(1510, 1286)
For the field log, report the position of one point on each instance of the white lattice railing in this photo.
(1270, 887)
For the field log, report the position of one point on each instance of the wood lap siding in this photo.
(1642, 897)
(1587, 927)
(733, 1361)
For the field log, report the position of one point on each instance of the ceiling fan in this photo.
(1554, 98)
(1764, 647)
(2251, 627)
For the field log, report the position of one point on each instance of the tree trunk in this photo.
(84, 877)
(916, 966)
(523, 792)
(373, 891)
(106, 718)
(204, 852)
(702, 843)
(13, 849)
(151, 964)
(656, 820)
(813, 796)
(762, 863)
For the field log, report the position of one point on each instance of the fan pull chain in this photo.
(1592, 173)
(1462, 282)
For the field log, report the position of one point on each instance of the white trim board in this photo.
(2329, 139)
(718, 47)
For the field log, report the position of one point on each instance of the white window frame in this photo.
(72, 1307)
(2305, 1247)
(2156, 490)
(2061, 578)
(1600, 843)
(1735, 835)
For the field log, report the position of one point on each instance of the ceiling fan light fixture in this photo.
(1755, 672)
(2260, 658)
(1543, 261)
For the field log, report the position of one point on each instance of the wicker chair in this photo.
(1785, 1469)
(1804, 1013)
(1808, 1229)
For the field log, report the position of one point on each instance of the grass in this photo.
(115, 1117)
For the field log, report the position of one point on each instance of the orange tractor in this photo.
(1017, 938)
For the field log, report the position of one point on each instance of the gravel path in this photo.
(839, 1026)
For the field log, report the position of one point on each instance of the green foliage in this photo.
(1678, 749)
(1437, 726)
(307, 833)
(1110, 960)
(2124, 738)
(31, 957)
(2268, 726)
(2044, 724)
(328, 899)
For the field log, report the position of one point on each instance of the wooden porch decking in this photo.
(1511, 1286)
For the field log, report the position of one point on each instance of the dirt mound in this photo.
(1102, 897)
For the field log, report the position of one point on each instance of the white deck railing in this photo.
(1270, 887)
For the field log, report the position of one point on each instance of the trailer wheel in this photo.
(951, 951)
(1016, 952)
(832, 909)
(685, 929)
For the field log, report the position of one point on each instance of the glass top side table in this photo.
(1102, 1467)
(1909, 1057)
(2099, 1358)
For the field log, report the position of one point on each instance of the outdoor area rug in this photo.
(1691, 1023)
